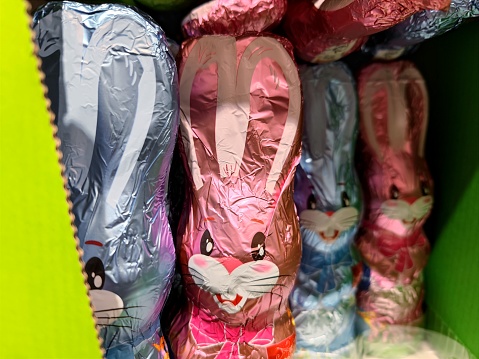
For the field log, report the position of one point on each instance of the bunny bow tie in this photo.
(208, 331)
(398, 248)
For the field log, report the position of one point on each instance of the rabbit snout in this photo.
(329, 225)
(232, 282)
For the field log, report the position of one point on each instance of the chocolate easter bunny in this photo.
(241, 106)
(113, 87)
(397, 188)
(328, 200)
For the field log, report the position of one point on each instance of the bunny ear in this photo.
(392, 130)
(330, 106)
(261, 48)
(204, 52)
(407, 77)
(81, 89)
(85, 83)
(314, 115)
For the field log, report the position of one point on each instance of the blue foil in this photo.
(423, 25)
(328, 200)
(113, 88)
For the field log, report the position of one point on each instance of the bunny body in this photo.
(329, 204)
(240, 248)
(396, 182)
(117, 132)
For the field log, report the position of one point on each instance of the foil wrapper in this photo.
(114, 90)
(421, 26)
(232, 17)
(323, 31)
(240, 248)
(387, 302)
(396, 182)
(328, 200)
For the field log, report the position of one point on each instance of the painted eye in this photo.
(95, 272)
(207, 244)
(311, 202)
(425, 188)
(258, 247)
(345, 199)
(394, 192)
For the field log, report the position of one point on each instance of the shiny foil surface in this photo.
(232, 17)
(114, 90)
(241, 248)
(328, 200)
(323, 31)
(396, 182)
(387, 302)
(419, 27)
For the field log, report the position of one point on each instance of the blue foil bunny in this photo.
(113, 88)
(328, 201)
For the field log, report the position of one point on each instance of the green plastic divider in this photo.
(450, 64)
(45, 308)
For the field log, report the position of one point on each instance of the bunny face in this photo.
(397, 183)
(240, 128)
(116, 153)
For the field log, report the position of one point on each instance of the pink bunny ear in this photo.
(413, 88)
(269, 48)
(388, 120)
(199, 55)
(226, 139)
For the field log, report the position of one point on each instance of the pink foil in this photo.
(388, 303)
(395, 178)
(240, 250)
(231, 17)
(315, 27)
(397, 191)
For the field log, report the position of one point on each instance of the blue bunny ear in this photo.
(314, 111)
(330, 111)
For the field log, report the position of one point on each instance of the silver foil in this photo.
(421, 26)
(328, 200)
(113, 87)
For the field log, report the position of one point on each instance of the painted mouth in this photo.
(329, 238)
(235, 301)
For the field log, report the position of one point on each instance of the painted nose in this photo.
(230, 263)
(329, 213)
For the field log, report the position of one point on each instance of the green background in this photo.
(450, 65)
(45, 310)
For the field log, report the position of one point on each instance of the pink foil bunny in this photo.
(397, 188)
(240, 250)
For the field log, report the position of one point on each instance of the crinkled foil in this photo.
(232, 17)
(113, 88)
(327, 196)
(316, 27)
(240, 250)
(395, 178)
(396, 182)
(387, 302)
(419, 27)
